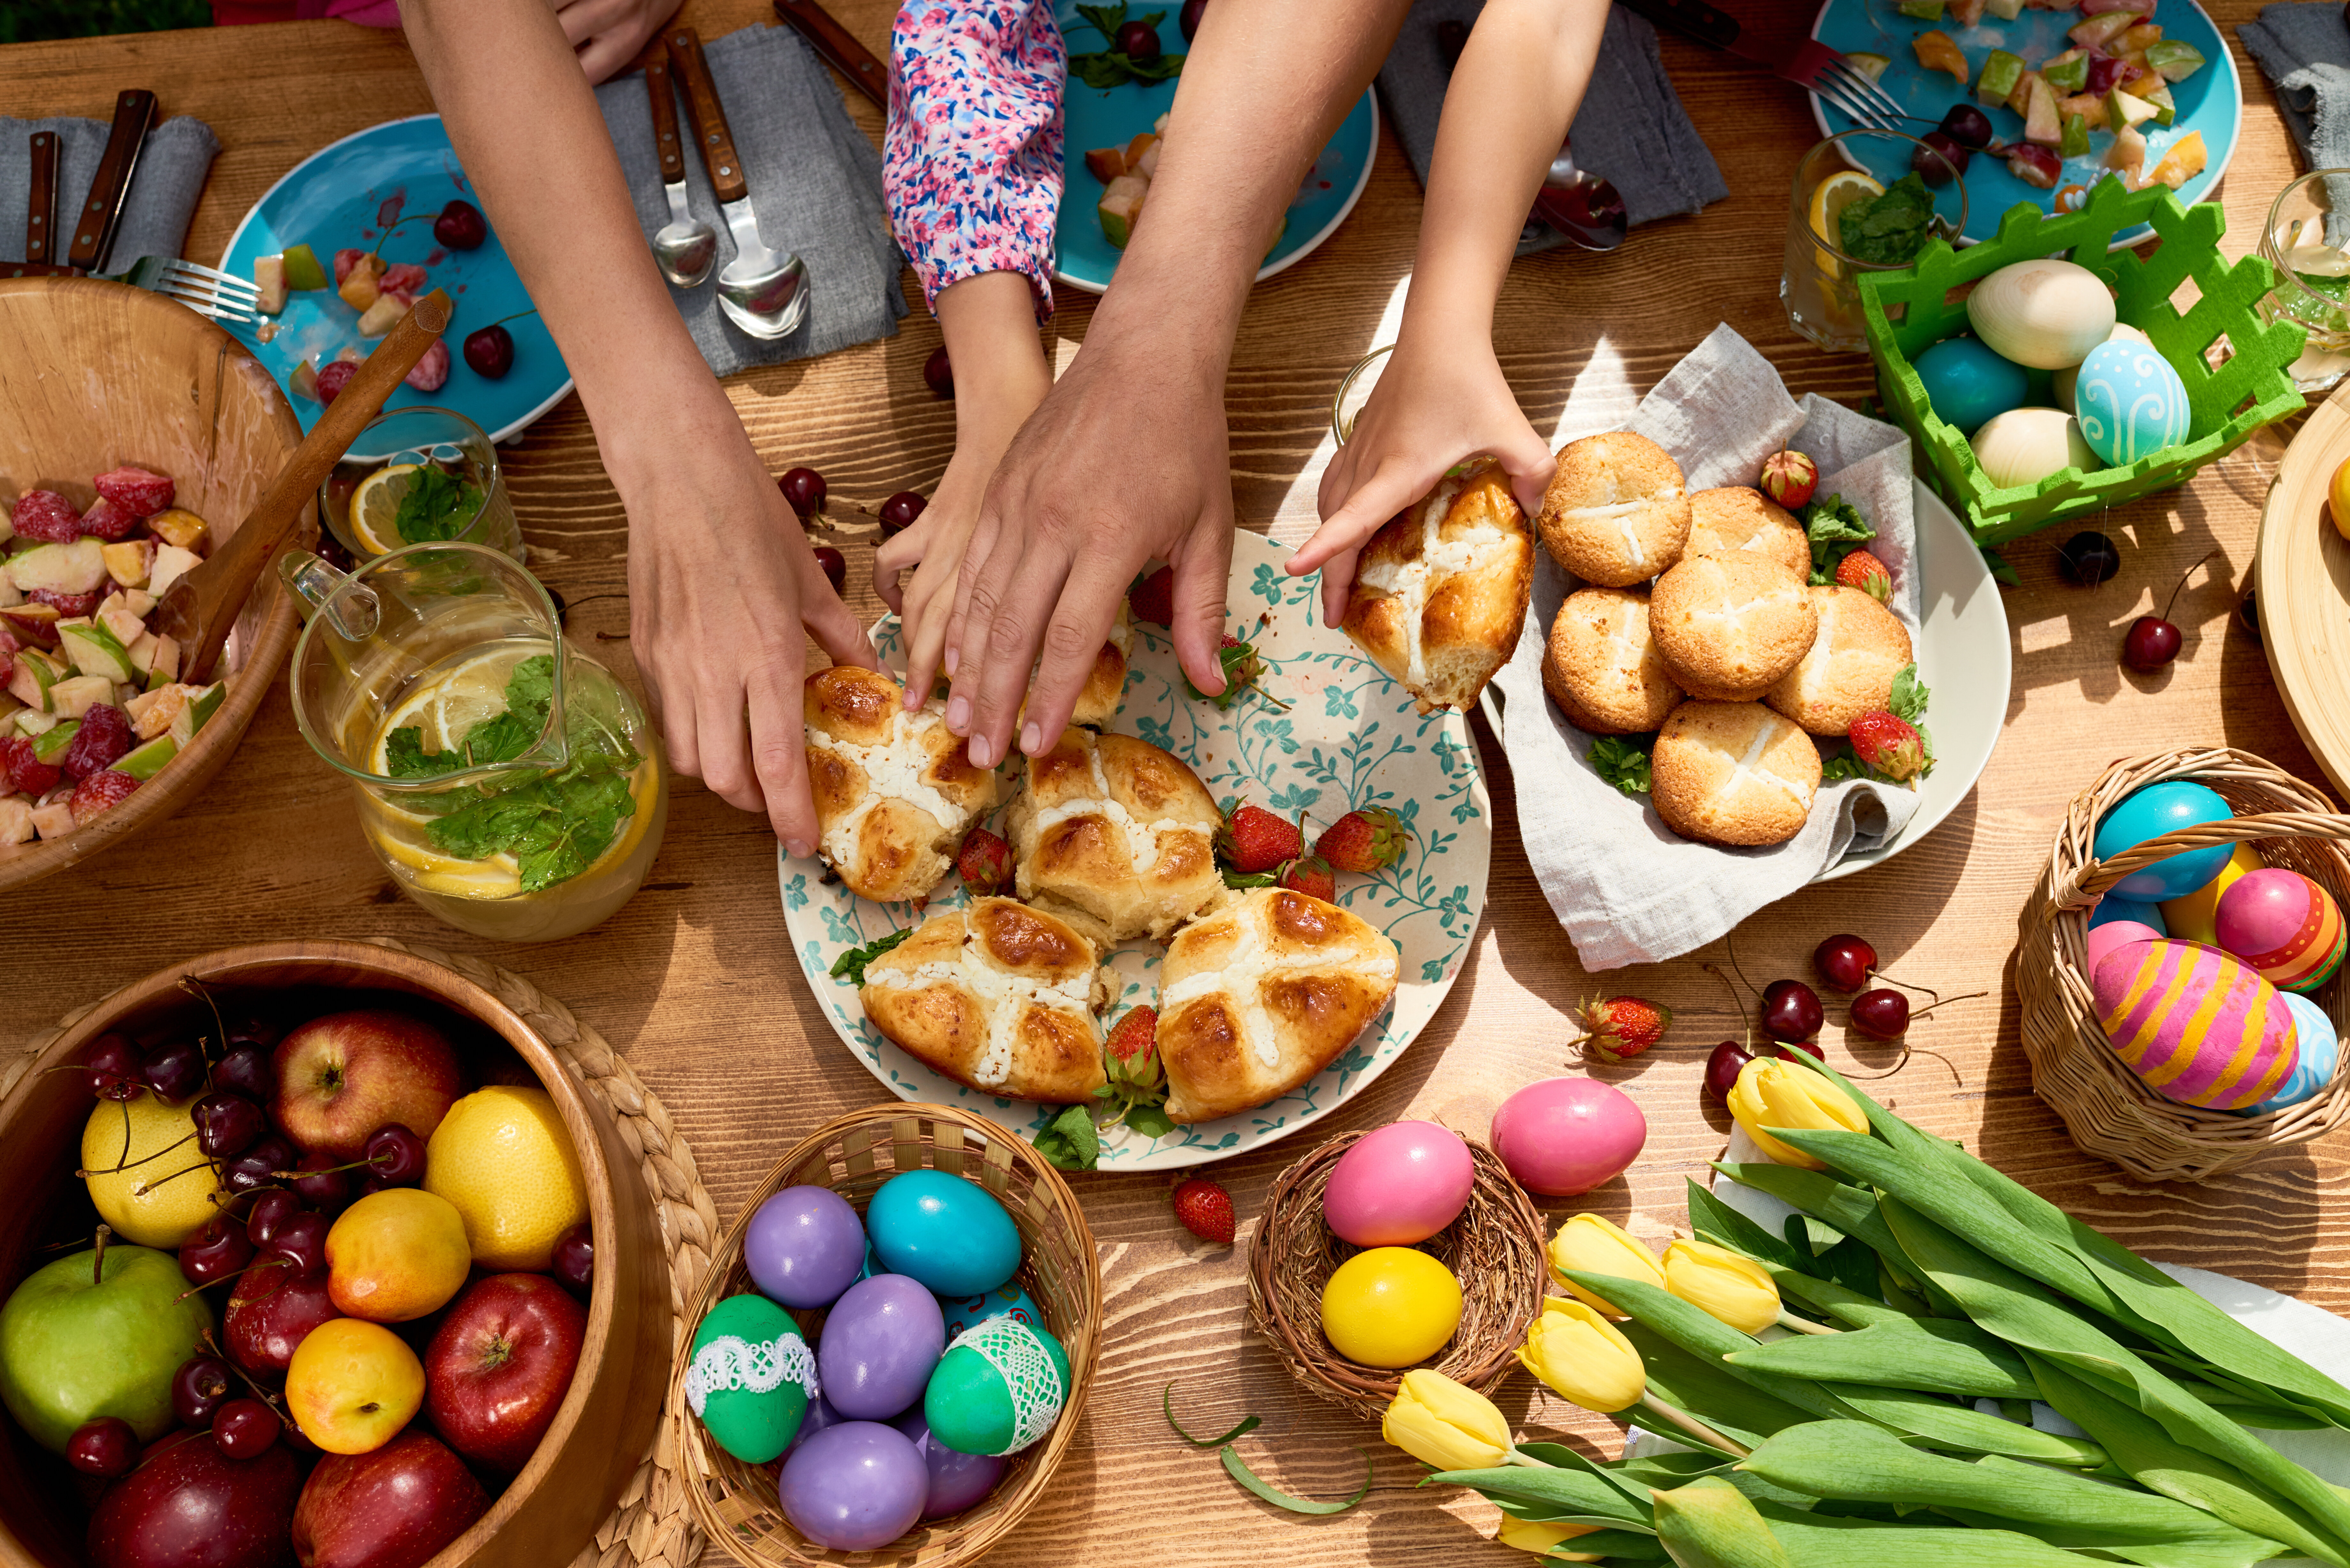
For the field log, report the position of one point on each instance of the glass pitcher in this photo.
(507, 781)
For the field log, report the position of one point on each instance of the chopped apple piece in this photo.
(1121, 208)
(1940, 52)
(144, 762)
(2040, 121)
(302, 270)
(1872, 67)
(269, 277)
(2094, 31)
(121, 622)
(2001, 73)
(2075, 143)
(2182, 162)
(361, 284)
(15, 820)
(306, 380)
(1106, 163)
(382, 315)
(2135, 40)
(2067, 72)
(54, 820)
(1922, 10)
(2126, 155)
(172, 564)
(70, 699)
(2005, 10)
(2123, 109)
(1147, 166)
(2174, 59)
(1966, 13)
(177, 525)
(75, 568)
(2089, 106)
(36, 624)
(30, 681)
(127, 563)
(8, 595)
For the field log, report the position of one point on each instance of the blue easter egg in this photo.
(2130, 401)
(2319, 1048)
(2110, 909)
(1968, 384)
(950, 1234)
(2150, 813)
(1006, 1300)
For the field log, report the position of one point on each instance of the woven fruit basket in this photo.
(734, 1502)
(2108, 1108)
(1495, 1249)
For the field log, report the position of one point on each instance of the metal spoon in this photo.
(1583, 207)
(686, 247)
(762, 291)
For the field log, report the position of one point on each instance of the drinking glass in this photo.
(1818, 284)
(360, 500)
(2307, 241)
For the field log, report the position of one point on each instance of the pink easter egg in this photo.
(2113, 934)
(1561, 1137)
(2285, 925)
(2199, 1027)
(1398, 1185)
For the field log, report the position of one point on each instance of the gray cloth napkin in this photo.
(2304, 49)
(1631, 130)
(1627, 888)
(816, 185)
(164, 187)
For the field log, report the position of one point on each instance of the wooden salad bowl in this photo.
(549, 1512)
(98, 374)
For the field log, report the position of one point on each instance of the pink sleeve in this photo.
(971, 162)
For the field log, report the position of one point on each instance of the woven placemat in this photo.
(652, 1527)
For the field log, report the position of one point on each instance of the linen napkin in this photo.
(164, 187)
(2304, 50)
(816, 185)
(1627, 888)
(1631, 130)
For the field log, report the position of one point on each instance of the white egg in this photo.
(2062, 384)
(2024, 446)
(2045, 314)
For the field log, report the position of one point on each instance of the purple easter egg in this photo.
(956, 1481)
(854, 1487)
(881, 1341)
(819, 1415)
(803, 1247)
(2113, 934)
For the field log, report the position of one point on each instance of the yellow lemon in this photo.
(374, 507)
(503, 1157)
(1829, 198)
(146, 1176)
(447, 708)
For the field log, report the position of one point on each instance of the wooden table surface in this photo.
(695, 979)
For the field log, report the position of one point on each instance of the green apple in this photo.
(76, 1343)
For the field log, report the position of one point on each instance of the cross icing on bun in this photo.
(1615, 513)
(1602, 667)
(894, 791)
(1733, 772)
(1114, 836)
(1850, 668)
(1730, 624)
(1735, 518)
(1441, 591)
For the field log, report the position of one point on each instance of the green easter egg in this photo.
(752, 1377)
(999, 1387)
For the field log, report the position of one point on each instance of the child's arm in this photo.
(1442, 396)
(973, 167)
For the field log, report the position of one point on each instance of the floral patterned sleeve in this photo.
(973, 158)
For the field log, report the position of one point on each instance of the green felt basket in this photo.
(1906, 312)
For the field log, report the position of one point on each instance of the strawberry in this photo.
(1621, 1026)
(1364, 841)
(1131, 1052)
(1312, 877)
(1888, 743)
(107, 521)
(403, 278)
(1789, 478)
(1253, 839)
(1864, 571)
(1242, 671)
(1154, 598)
(333, 376)
(985, 862)
(68, 606)
(429, 373)
(97, 792)
(104, 739)
(1205, 1209)
(23, 772)
(46, 515)
(138, 491)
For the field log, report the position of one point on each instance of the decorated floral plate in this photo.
(1350, 737)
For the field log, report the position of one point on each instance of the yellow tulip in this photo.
(1578, 1353)
(1736, 1290)
(1596, 1247)
(1439, 1422)
(1770, 1092)
(1538, 1536)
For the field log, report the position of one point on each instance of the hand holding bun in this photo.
(1441, 591)
(894, 792)
(1733, 772)
(1615, 513)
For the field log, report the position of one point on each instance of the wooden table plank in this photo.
(695, 979)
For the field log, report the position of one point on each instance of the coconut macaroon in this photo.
(1849, 670)
(1616, 513)
(1736, 518)
(894, 791)
(1730, 626)
(1602, 667)
(1734, 774)
(1441, 591)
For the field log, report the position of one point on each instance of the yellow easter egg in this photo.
(1390, 1306)
(2194, 917)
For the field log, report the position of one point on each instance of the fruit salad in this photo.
(94, 706)
(380, 292)
(1125, 173)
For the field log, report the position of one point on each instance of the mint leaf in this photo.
(850, 965)
(530, 693)
(1107, 68)
(1836, 529)
(1150, 1121)
(1841, 764)
(1909, 695)
(1891, 229)
(1105, 19)
(438, 505)
(1623, 761)
(1069, 1140)
(1237, 881)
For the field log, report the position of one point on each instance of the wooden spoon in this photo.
(202, 606)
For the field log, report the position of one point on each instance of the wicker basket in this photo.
(734, 1502)
(1495, 1249)
(2109, 1111)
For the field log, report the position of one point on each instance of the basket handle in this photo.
(2095, 878)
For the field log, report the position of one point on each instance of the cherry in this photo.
(221, 1247)
(227, 1124)
(395, 1156)
(243, 1428)
(301, 1241)
(176, 1070)
(898, 513)
(2152, 640)
(294, 1440)
(198, 1388)
(1845, 962)
(257, 1166)
(938, 373)
(2089, 558)
(1190, 20)
(805, 489)
(105, 1447)
(116, 1070)
(1939, 157)
(1791, 1010)
(836, 567)
(575, 1258)
(489, 351)
(322, 1182)
(1722, 1067)
(1880, 1014)
(270, 1210)
(1968, 126)
(1138, 42)
(251, 1029)
(1785, 1050)
(246, 1071)
(460, 226)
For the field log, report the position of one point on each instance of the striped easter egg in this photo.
(2283, 925)
(2198, 1027)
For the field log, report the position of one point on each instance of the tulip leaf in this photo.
(1827, 1542)
(1851, 1209)
(1710, 1523)
(1737, 1409)
(1570, 1496)
(1837, 1301)
(1571, 1459)
(1942, 1424)
(1718, 1223)
(1939, 1356)
(1704, 1336)
(1238, 1469)
(1615, 1545)
(1166, 1403)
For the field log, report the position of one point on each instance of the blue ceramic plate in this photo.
(2210, 101)
(1083, 258)
(339, 196)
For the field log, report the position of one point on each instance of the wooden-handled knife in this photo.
(41, 204)
(101, 214)
(839, 47)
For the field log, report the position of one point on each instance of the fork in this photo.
(1810, 65)
(205, 290)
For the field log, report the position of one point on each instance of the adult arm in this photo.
(721, 577)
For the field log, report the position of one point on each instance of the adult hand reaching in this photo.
(607, 34)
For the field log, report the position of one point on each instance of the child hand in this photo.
(1429, 410)
(933, 546)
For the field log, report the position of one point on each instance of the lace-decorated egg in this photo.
(999, 1387)
(751, 1378)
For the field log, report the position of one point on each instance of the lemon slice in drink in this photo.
(447, 709)
(1829, 200)
(374, 507)
(497, 878)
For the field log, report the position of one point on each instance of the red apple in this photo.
(270, 1311)
(392, 1507)
(188, 1505)
(500, 1365)
(342, 1077)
